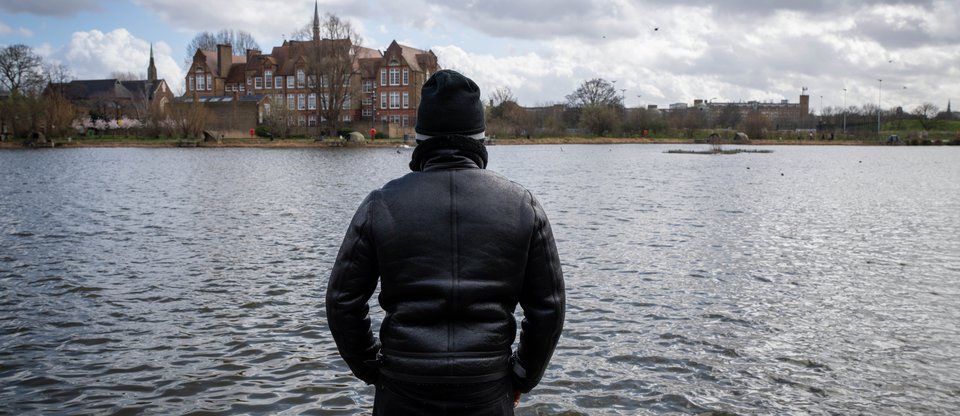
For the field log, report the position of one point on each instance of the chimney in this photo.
(224, 59)
(251, 53)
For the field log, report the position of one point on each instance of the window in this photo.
(367, 99)
(302, 121)
(301, 78)
(346, 81)
(291, 101)
(258, 83)
(268, 78)
(406, 121)
(278, 82)
(324, 81)
(346, 103)
(301, 101)
(367, 112)
(325, 101)
(312, 101)
(312, 81)
(190, 82)
(383, 100)
(242, 87)
(249, 81)
(406, 99)
(383, 77)
(278, 98)
(209, 82)
(367, 86)
(394, 99)
(290, 81)
(406, 76)
(266, 108)
(347, 117)
(394, 76)
(312, 120)
(200, 78)
(395, 119)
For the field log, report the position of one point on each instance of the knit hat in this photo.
(450, 105)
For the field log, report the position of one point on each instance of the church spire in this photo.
(316, 20)
(152, 68)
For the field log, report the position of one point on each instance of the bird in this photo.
(656, 29)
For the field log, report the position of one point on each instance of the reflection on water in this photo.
(811, 280)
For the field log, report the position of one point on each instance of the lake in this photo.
(812, 280)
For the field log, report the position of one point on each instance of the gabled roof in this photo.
(87, 89)
(415, 58)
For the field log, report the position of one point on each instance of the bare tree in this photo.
(333, 68)
(21, 77)
(925, 114)
(127, 76)
(595, 92)
(59, 113)
(240, 41)
(21, 70)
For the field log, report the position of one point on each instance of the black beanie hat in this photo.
(450, 105)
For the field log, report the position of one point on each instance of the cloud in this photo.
(56, 8)
(21, 31)
(96, 55)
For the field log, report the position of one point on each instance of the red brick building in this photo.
(388, 82)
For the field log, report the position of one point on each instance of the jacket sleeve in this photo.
(543, 303)
(352, 283)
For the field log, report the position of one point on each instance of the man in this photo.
(456, 248)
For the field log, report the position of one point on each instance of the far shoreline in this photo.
(136, 142)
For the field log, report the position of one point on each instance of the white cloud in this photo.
(96, 55)
(21, 31)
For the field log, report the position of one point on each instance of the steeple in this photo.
(948, 107)
(152, 69)
(316, 20)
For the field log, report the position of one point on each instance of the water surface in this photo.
(814, 280)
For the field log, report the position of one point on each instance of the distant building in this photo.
(114, 99)
(389, 82)
(783, 115)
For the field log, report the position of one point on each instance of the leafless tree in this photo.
(333, 68)
(240, 41)
(21, 78)
(595, 92)
(59, 113)
(926, 114)
(127, 76)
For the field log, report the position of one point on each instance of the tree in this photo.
(240, 41)
(21, 70)
(756, 125)
(597, 105)
(729, 116)
(595, 92)
(21, 77)
(58, 112)
(333, 69)
(925, 114)
(127, 76)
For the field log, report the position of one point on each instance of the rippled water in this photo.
(814, 280)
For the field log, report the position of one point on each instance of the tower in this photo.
(316, 21)
(152, 69)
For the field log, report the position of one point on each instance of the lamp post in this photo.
(844, 111)
(879, 103)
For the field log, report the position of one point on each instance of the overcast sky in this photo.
(657, 51)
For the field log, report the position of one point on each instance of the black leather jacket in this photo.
(456, 248)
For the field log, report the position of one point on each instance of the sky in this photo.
(657, 51)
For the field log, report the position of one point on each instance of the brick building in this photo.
(382, 88)
(114, 99)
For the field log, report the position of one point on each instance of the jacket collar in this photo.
(449, 152)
